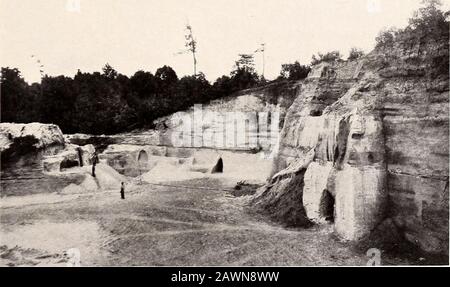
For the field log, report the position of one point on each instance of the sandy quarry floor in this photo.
(158, 225)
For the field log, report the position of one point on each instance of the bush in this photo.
(330, 57)
(429, 18)
(385, 38)
(244, 76)
(355, 53)
(427, 21)
(294, 71)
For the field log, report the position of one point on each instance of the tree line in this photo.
(109, 102)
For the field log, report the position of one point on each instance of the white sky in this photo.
(147, 34)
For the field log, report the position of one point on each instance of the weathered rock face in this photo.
(23, 147)
(132, 160)
(37, 135)
(416, 122)
(33, 155)
(250, 121)
(369, 139)
(136, 160)
(71, 156)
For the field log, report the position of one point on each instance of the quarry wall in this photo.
(370, 138)
(29, 152)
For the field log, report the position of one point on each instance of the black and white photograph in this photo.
(224, 133)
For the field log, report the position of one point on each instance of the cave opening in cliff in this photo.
(218, 167)
(357, 136)
(326, 207)
(315, 113)
(68, 163)
(142, 159)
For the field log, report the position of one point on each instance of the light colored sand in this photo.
(166, 172)
(159, 225)
(40, 198)
(56, 238)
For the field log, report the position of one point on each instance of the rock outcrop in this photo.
(164, 162)
(368, 139)
(71, 156)
(23, 148)
(33, 157)
(249, 121)
(32, 136)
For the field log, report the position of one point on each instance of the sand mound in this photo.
(165, 171)
(106, 178)
(72, 188)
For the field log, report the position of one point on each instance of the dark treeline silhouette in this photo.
(108, 102)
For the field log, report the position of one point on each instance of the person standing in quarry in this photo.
(122, 190)
(94, 160)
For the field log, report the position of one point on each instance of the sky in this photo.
(132, 35)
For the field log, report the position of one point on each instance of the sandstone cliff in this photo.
(367, 141)
(39, 136)
(33, 155)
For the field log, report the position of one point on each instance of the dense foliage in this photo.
(330, 57)
(294, 71)
(355, 54)
(427, 21)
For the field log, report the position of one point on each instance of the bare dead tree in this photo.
(262, 50)
(41, 72)
(191, 45)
